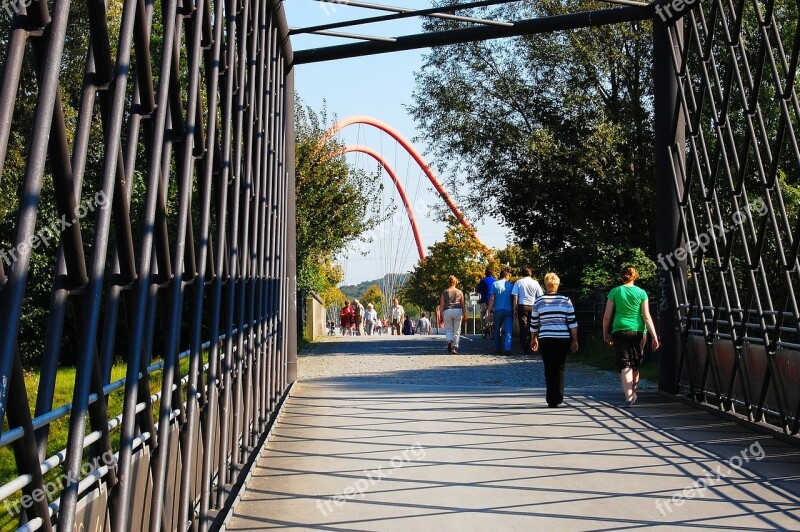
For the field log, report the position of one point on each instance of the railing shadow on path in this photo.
(495, 456)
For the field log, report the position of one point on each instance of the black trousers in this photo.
(524, 319)
(554, 355)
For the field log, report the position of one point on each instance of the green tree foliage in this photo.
(332, 209)
(552, 132)
(374, 295)
(604, 272)
(415, 311)
(458, 254)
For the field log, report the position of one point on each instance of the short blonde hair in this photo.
(452, 280)
(551, 282)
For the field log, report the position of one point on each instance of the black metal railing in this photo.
(735, 163)
(152, 146)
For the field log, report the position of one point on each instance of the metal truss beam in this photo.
(523, 27)
(401, 13)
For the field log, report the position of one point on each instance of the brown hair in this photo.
(629, 274)
(452, 280)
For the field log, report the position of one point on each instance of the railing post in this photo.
(291, 230)
(669, 131)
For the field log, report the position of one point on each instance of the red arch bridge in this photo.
(147, 166)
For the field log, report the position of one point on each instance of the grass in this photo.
(303, 344)
(598, 354)
(59, 430)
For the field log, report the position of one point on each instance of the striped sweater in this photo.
(553, 316)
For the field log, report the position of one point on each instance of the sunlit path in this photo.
(355, 454)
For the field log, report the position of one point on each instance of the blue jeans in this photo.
(504, 317)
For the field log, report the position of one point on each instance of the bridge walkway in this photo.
(364, 447)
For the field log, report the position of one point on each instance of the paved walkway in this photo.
(354, 453)
(424, 360)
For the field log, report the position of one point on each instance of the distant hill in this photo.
(352, 291)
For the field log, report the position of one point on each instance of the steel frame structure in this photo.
(194, 243)
(729, 154)
(211, 128)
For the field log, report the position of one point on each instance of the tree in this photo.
(604, 273)
(552, 132)
(458, 254)
(374, 295)
(332, 209)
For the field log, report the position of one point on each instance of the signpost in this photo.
(474, 298)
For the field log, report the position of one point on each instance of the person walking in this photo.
(554, 333)
(345, 317)
(484, 290)
(423, 325)
(358, 314)
(397, 316)
(370, 317)
(500, 312)
(454, 308)
(524, 294)
(408, 326)
(627, 333)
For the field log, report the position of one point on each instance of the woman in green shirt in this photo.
(627, 304)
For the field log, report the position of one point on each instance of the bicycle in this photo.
(487, 329)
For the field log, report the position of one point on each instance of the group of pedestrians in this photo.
(355, 320)
(547, 324)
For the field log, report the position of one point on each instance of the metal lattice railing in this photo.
(163, 144)
(736, 168)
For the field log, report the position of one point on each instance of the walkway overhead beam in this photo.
(401, 13)
(572, 21)
(328, 33)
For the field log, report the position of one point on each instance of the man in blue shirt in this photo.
(500, 310)
(484, 288)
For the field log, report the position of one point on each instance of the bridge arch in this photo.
(418, 158)
(400, 189)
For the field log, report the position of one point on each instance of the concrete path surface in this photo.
(360, 455)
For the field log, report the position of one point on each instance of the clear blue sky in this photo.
(378, 86)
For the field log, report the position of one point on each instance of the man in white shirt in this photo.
(524, 294)
(370, 317)
(397, 316)
(423, 325)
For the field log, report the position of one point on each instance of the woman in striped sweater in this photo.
(554, 329)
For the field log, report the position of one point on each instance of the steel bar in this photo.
(216, 296)
(440, 12)
(523, 27)
(357, 36)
